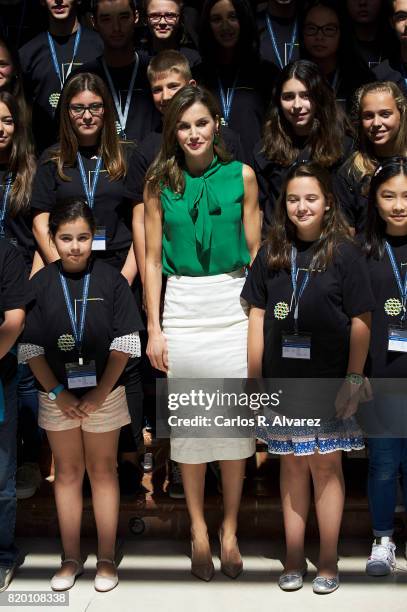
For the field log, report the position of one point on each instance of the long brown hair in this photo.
(109, 147)
(364, 161)
(327, 132)
(21, 162)
(283, 233)
(167, 168)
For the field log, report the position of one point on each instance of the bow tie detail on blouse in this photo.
(203, 193)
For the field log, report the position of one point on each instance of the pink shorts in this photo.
(112, 415)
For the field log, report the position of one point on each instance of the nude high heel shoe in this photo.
(201, 568)
(232, 569)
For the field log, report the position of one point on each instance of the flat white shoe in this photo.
(106, 583)
(63, 583)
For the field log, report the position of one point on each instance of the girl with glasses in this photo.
(325, 40)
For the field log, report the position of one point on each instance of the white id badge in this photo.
(80, 376)
(99, 239)
(397, 339)
(296, 346)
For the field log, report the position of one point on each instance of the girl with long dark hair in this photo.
(17, 169)
(310, 314)
(232, 70)
(303, 124)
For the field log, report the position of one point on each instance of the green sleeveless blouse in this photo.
(203, 232)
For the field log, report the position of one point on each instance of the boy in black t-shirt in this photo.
(13, 299)
(48, 60)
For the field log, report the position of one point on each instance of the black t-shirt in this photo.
(345, 82)
(111, 312)
(271, 175)
(392, 70)
(145, 154)
(42, 85)
(14, 293)
(384, 363)
(143, 117)
(111, 210)
(351, 191)
(18, 228)
(283, 29)
(328, 303)
(372, 51)
(252, 96)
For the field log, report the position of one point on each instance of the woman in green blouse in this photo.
(202, 226)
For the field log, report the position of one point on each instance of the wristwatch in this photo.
(53, 394)
(355, 379)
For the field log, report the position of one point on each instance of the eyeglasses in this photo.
(168, 17)
(329, 30)
(95, 109)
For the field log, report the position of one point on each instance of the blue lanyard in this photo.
(227, 100)
(78, 334)
(305, 282)
(402, 288)
(90, 193)
(122, 115)
(274, 41)
(53, 52)
(6, 192)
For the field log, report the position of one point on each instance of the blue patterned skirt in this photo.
(331, 435)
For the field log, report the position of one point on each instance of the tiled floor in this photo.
(154, 577)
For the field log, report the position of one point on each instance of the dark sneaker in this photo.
(28, 480)
(175, 487)
(6, 576)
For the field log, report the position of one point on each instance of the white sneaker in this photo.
(382, 560)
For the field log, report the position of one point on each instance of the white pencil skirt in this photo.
(205, 323)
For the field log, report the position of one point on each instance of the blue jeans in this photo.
(386, 457)
(8, 501)
(29, 434)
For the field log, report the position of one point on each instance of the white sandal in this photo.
(106, 583)
(63, 583)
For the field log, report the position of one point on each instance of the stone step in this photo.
(152, 512)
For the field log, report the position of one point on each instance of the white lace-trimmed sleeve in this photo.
(26, 352)
(129, 344)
